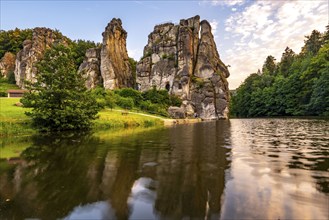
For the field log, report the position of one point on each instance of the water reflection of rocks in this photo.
(163, 173)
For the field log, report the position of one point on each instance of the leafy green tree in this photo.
(319, 100)
(301, 86)
(79, 49)
(59, 98)
(269, 66)
(12, 40)
(313, 43)
(286, 61)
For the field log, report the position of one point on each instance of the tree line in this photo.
(297, 85)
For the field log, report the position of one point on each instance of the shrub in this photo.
(131, 93)
(125, 102)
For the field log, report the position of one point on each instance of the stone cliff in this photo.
(109, 66)
(183, 59)
(33, 50)
(90, 68)
(115, 67)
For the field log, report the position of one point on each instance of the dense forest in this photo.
(297, 85)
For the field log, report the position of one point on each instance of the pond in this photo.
(230, 169)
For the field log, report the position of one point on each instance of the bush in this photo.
(130, 93)
(157, 96)
(175, 101)
(125, 102)
(154, 108)
(110, 99)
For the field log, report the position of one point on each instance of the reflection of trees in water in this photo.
(187, 165)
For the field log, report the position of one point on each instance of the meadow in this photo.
(14, 122)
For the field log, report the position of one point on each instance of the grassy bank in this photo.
(15, 122)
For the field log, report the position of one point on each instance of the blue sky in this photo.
(245, 31)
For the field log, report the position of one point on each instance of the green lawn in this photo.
(4, 86)
(15, 122)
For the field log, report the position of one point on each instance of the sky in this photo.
(245, 31)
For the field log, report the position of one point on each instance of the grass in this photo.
(14, 122)
(115, 119)
(4, 86)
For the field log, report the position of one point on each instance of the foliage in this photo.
(59, 98)
(125, 102)
(296, 86)
(269, 66)
(12, 40)
(11, 78)
(135, 95)
(133, 64)
(79, 49)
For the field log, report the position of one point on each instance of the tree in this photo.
(313, 43)
(269, 66)
(286, 61)
(59, 98)
(79, 49)
(12, 40)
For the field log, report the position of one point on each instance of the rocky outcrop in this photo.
(7, 64)
(115, 67)
(183, 59)
(90, 68)
(33, 50)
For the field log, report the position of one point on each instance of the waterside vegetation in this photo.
(298, 85)
(14, 122)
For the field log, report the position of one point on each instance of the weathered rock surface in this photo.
(90, 68)
(115, 68)
(33, 50)
(7, 64)
(184, 60)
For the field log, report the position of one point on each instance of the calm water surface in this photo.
(237, 169)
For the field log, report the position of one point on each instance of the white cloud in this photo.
(228, 3)
(135, 53)
(266, 28)
(214, 26)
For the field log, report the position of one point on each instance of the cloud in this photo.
(214, 26)
(135, 53)
(229, 3)
(267, 28)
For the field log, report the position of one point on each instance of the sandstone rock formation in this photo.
(7, 64)
(90, 68)
(33, 50)
(115, 67)
(184, 60)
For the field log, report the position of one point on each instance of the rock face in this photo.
(115, 67)
(33, 50)
(7, 64)
(183, 59)
(90, 68)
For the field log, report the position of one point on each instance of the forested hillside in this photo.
(297, 85)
